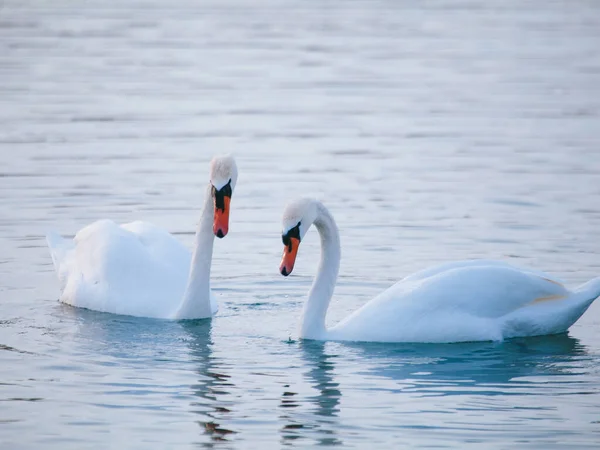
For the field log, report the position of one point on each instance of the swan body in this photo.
(138, 269)
(475, 300)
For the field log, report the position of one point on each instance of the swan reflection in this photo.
(322, 421)
(138, 340)
(142, 345)
(457, 369)
(213, 388)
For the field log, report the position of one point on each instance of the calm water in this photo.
(433, 130)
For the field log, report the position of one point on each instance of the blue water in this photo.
(433, 132)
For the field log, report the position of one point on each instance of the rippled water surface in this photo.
(434, 131)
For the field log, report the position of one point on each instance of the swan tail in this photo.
(583, 297)
(552, 315)
(590, 291)
(58, 249)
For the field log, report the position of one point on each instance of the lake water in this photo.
(434, 131)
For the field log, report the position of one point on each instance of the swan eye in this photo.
(220, 195)
(292, 233)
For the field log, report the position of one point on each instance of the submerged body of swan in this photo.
(476, 300)
(141, 270)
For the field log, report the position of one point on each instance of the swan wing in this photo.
(133, 269)
(483, 290)
(464, 302)
(159, 243)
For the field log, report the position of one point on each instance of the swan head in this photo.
(298, 216)
(223, 177)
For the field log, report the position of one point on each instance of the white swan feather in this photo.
(139, 269)
(475, 300)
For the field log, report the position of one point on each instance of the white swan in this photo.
(138, 269)
(454, 302)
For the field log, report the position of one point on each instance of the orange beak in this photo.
(221, 222)
(289, 257)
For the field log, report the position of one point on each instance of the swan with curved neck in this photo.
(475, 300)
(141, 270)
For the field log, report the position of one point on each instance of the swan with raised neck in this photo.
(198, 301)
(141, 270)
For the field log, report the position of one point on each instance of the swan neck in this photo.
(319, 296)
(196, 303)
